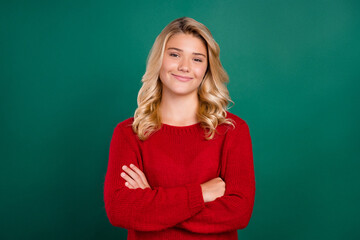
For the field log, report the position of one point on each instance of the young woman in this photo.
(180, 169)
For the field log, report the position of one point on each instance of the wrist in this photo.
(203, 190)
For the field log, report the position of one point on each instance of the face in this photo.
(184, 64)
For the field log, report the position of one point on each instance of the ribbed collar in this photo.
(193, 128)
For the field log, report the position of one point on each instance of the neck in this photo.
(179, 110)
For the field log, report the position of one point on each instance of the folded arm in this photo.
(144, 209)
(233, 210)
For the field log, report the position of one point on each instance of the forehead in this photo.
(187, 43)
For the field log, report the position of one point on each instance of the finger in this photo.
(129, 179)
(129, 185)
(134, 176)
(140, 173)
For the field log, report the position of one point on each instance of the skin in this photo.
(179, 101)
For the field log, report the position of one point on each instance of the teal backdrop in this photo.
(71, 70)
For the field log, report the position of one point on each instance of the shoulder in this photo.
(125, 123)
(124, 135)
(238, 137)
(125, 126)
(240, 125)
(237, 120)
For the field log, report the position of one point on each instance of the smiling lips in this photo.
(182, 78)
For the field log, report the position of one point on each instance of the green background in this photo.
(71, 70)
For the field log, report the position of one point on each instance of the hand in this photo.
(213, 189)
(134, 178)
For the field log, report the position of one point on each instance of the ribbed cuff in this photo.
(195, 197)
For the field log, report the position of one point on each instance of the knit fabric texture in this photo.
(175, 161)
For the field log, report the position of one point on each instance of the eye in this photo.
(198, 59)
(173, 54)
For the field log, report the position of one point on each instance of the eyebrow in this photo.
(180, 50)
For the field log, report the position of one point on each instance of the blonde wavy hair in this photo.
(213, 93)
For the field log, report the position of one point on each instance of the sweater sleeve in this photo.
(233, 210)
(143, 209)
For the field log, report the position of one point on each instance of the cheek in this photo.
(163, 69)
(200, 71)
(162, 75)
(168, 64)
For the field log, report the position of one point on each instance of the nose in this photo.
(184, 65)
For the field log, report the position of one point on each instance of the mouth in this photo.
(182, 78)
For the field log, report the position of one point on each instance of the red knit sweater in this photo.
(175, 161)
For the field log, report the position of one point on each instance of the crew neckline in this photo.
(192, 128)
